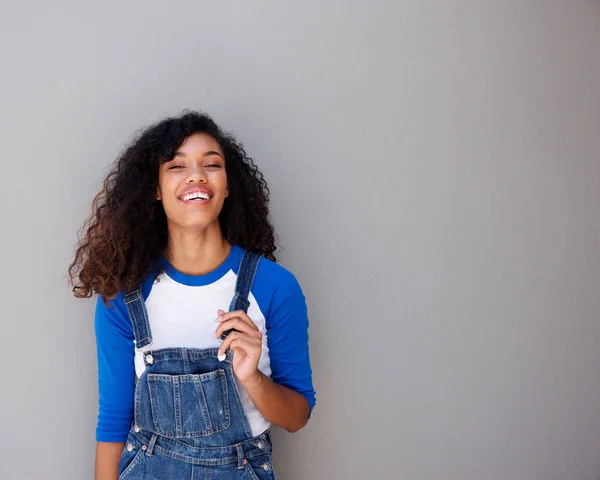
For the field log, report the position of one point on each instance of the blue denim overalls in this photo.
(189, 420)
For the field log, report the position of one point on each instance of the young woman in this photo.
(201, 337)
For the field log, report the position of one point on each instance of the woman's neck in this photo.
(196, 253)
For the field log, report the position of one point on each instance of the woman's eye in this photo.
(211, 165)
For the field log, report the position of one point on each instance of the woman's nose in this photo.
(197, 174)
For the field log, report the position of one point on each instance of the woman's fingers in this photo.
(240, 325)
(238, 340)
(235, 320)
(242, 334)
(224, 317)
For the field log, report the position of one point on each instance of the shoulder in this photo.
(271, 277)
(275, 279)
(276, 276)
(113, 313)
(112, 325)
(276, 288)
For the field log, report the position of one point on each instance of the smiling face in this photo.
(193, 184)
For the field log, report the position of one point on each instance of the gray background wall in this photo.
(435, 169)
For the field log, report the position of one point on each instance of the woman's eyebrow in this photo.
(205, 154)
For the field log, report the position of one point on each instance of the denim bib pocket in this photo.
(192, 405)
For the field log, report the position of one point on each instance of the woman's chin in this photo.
(197, 225)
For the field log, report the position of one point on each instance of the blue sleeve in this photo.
(116, 370)
(287, 333)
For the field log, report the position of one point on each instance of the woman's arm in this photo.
(280, 405)
(287, 399)
(108, 455)
(116, 384)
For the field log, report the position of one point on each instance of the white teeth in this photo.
(193, 196)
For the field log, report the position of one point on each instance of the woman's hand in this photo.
(280, 405)
(245, 342)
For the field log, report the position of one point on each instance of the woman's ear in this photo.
(158, 197)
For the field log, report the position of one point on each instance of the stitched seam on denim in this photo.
(131, 311)
(176, 354)
(131, 466)
(238, 300)
(192, 460)
(188, 377)
(139, 344)
(197, 461)
(251, 472)
(136, 308)
(155, 416)
(247, 259)
(140, 327)
(251, 281)
(132, 296)
(203, 404)
(136, 408)
(240, 457)
(177, 406)
(253, 275)
(225, 392)
(186, 361)
(220, 452)
(247, 427)
(146, 320)
(150, 447)
(163, 358)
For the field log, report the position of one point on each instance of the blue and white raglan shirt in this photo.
(182, 310)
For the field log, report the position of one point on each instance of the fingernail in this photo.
(222, 357)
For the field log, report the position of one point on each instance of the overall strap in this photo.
(245, 277)
(139, 318)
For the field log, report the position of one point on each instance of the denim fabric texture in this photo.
(189, 420)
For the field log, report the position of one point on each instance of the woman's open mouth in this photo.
(196, 198)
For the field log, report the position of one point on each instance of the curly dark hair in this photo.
(128, 226)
